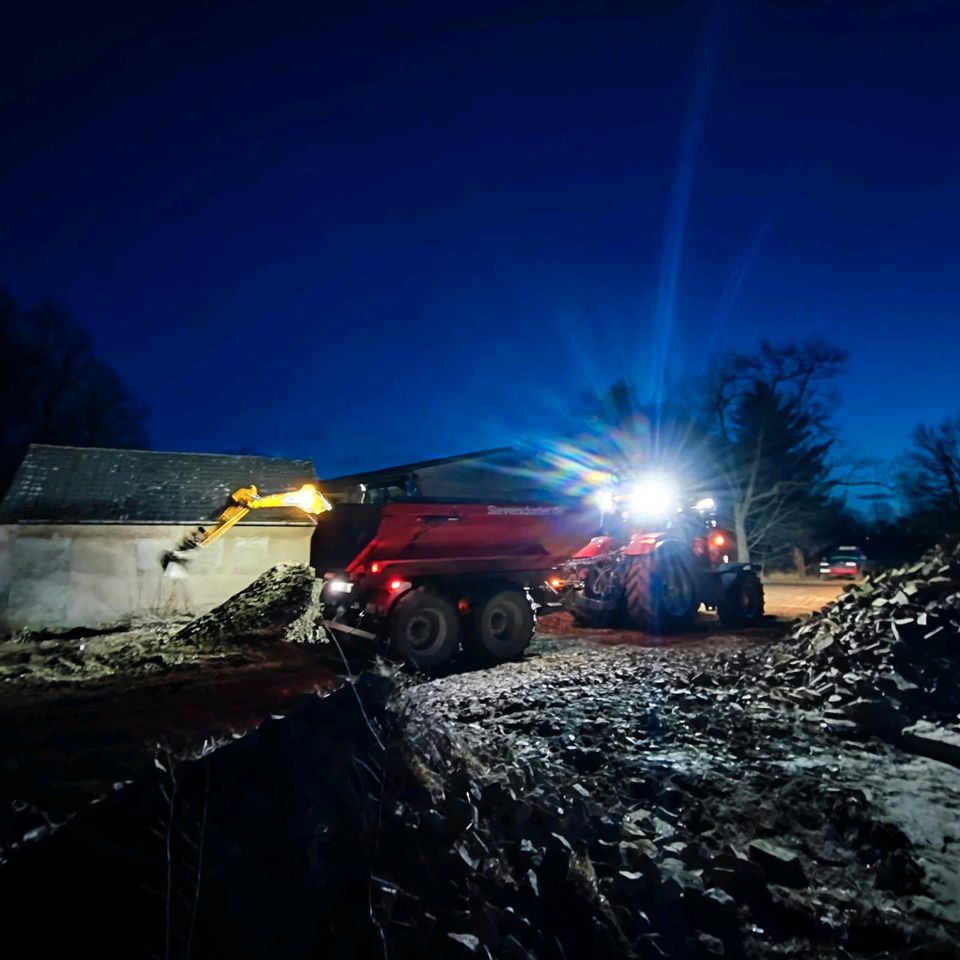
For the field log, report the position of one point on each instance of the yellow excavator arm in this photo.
(308, 499)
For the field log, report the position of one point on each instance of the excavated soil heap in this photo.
(279, 605)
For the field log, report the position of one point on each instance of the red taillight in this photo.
(395, 585)
(374, 567)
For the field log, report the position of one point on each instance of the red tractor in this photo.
(656, 564)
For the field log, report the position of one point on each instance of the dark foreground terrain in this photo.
(765, 794)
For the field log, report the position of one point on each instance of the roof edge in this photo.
(418, 465)
(167, 453)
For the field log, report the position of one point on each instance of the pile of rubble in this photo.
(281, 604)
(885, 655)
(644, 803)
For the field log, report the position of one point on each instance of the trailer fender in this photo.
(391, 591)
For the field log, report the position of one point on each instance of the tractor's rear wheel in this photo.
(660, 591)
(501, 625)
(424, 629)
(742, 602)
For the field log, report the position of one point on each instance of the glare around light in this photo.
(604, 500)
(653, 496)
(309, 499)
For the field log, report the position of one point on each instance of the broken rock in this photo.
(782, 866)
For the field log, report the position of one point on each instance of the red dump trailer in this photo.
(427, 579)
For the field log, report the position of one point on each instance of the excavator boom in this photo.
(308, 499)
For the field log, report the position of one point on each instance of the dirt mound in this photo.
(280, 604)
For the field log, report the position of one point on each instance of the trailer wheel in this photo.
(741, 604)
(501, 625)
(660, 592)
(424, 629)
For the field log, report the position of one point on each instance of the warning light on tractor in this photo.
(718, 539)
(375, 567)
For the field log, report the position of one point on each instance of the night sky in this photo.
(373, 233)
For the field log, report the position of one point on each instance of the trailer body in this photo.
(424, 579)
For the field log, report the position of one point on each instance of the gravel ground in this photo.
(611, 794)
(632, 801)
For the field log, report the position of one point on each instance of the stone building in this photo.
(83, 532)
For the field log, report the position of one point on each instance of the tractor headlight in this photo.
(654, 496)
(339, 586)
(706, 505)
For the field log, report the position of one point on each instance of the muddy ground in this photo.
(611, 794)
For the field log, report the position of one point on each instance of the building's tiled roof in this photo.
(93, 485)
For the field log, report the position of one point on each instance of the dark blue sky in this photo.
(371, 233)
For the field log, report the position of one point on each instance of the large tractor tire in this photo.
(501, 625)
(424, 629)
(741, 604)
(661, 591)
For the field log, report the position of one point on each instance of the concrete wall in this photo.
(66, 575)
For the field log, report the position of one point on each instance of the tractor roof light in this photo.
(706, 505)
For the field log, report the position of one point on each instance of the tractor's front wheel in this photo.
(742, 602)
(501, 625)
(424, 629)
(660, 591)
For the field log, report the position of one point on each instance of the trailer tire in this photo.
(660, 591)
(501, 625)
(424, 629)
(741, 603)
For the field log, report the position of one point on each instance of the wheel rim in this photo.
(676, 590)
(425, 630)
(501, 623)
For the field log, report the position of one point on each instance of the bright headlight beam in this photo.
(653, 496)
(604, 500)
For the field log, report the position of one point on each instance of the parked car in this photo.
(847, 563)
